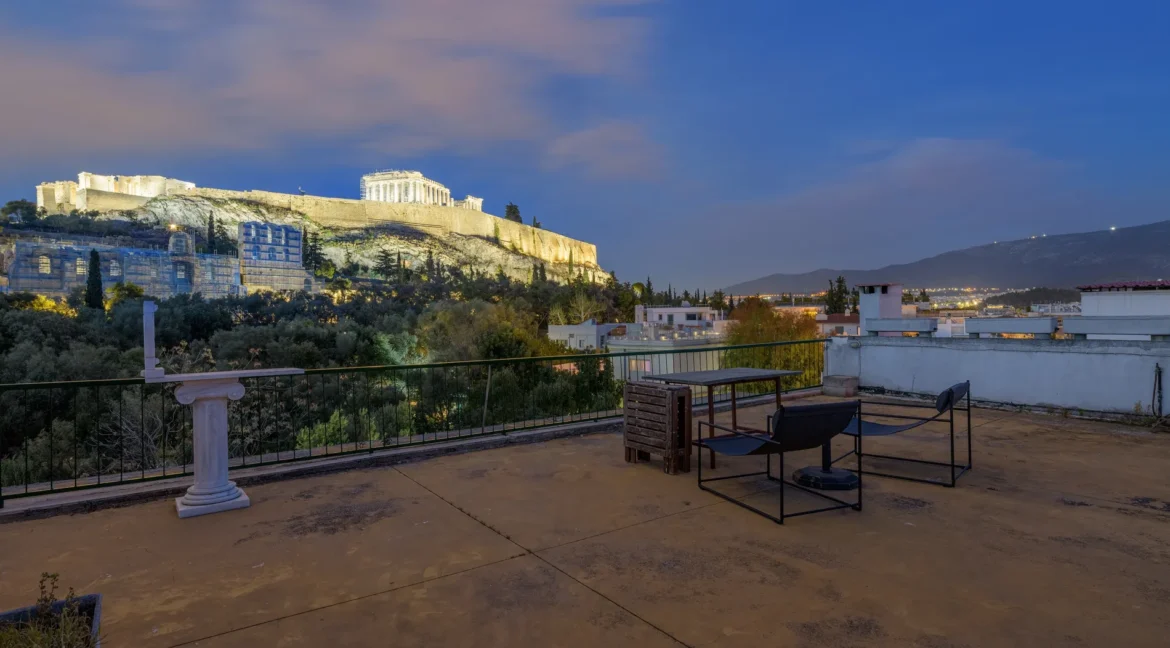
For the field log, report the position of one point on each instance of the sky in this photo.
(700, 143)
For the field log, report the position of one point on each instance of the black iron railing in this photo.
(69, 435)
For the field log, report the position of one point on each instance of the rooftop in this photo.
(1057, 537)
(1127, 285)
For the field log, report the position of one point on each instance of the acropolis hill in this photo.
(401, 211)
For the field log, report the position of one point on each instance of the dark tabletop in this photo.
(715, 377)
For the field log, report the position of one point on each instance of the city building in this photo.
(685, 316)
(586, 336)
(838, 324)
(1125, 299)
(269, 259)
(394, 186)
(56, 268)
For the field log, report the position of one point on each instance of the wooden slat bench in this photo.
(658, 421)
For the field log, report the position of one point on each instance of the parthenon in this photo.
(412, 187)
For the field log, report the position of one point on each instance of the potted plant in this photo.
(69, 623)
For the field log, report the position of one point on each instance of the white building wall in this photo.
(1128, 302)
(1125, 302)
(581, 337)
(1101, 375)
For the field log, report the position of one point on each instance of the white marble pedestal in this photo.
(208, 394)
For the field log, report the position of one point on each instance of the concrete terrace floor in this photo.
(1059, 537)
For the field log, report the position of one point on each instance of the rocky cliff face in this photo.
(361, 245)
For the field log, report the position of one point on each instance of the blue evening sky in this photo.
(700, 143)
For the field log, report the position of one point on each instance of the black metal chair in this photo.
(794, 428)
(945, 408)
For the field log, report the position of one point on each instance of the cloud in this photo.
(614, 149)
(428, 75)
(924, 197)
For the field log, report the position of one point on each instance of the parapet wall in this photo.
(356, 214)
(1089, 375)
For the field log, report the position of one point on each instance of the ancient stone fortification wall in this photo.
(344, 213)
(102, 201)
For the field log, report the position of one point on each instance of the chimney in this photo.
(879, 301)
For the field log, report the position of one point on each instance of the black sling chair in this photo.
(944, 406)
(799, 427)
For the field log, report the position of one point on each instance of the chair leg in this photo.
(782, 489)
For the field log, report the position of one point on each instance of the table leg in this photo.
(711, 420)
(734, 423)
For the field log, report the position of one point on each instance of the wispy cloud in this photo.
(422, 75)
(924, 197)
(615, 149)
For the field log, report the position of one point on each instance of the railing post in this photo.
(487, 392)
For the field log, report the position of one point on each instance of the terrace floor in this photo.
(1060, 536)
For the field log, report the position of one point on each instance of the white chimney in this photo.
(879, 301)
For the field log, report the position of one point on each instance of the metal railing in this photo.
(59, 436)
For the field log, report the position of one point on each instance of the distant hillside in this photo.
(1058, 261)
(1026, 298)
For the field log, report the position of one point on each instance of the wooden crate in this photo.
(658, 421)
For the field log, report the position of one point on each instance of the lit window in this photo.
(79, 266)
(115, 268)
(180, 271)
(45, 264)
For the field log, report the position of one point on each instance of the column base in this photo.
(192, 510)
(832, 479)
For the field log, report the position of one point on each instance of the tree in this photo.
(496, 233)
(923, 297)
(341, 286)
(93, 282)
(312, 258)
(717, 301)
(837, 297)
(756, 321)
(854, 301)
(908, 297)
(123, 291)
(648, 295)
(211, 233)
(385, 264)
(512, 213)
(582, 307)
(535, 223)
(24, 210)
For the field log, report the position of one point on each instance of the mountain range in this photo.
(1057, 261)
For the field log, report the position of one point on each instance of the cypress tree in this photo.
(93, 282)
(211, 233)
